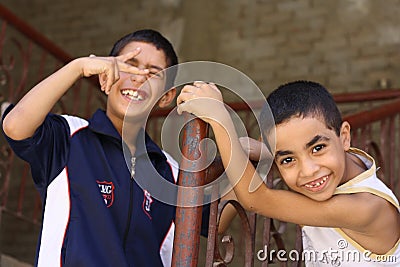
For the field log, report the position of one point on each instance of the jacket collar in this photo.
(101, 124)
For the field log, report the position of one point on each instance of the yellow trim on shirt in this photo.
(343, 189)
(364, 189)
(364, 175)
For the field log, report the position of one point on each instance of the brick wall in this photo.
(348, 45)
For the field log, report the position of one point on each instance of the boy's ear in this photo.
(345, 135)
(167, 98)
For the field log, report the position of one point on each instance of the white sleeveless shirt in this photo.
(331, 246)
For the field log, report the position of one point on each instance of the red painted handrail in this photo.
(32, 34)
(363, 118)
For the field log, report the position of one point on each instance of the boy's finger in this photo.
(110, 80)
(212, 85)
(179, 99)
(183, 97)
(198, 84)
(188, 89)
(129, 55)
(116, 72)
(131, 69)
(181, 108)
(123, 66)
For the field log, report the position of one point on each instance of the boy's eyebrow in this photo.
(281, 153)
(134, 60)
(316, 139)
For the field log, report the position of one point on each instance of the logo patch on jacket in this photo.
(107, 191)
(147, 203)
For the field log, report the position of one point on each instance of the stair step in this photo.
(7, 261)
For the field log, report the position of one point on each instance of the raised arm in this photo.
(205, 101)
(352, 212)
(29, 113)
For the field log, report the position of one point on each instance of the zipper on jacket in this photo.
(128, 223)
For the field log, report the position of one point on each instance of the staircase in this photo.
(8, 261)
(26, 57)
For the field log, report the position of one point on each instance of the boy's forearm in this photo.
(23, 120)
(239, 169)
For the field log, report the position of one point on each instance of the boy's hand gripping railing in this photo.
(189, 213)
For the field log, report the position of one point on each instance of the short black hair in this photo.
(159, 41)
(301, 98)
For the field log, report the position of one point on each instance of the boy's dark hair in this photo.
(301, 98)
(159, 41)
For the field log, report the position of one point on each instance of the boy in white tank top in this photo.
(349, 217)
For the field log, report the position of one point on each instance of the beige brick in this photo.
(260, 48)
(341, 55)
(364, 38)
(276, 19)
(310, 14)
(293, 5)
(331, 44)
(368, 63)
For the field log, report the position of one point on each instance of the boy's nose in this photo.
(308, 167)
(138, 78)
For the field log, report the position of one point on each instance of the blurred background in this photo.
(347, 45)
(350, 46)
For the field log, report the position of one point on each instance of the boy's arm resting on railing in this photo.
(257, 151)
(368, 212)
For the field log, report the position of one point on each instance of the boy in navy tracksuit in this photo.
(94, 211)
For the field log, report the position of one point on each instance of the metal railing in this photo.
(374, 129)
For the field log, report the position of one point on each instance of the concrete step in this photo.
(8, 261)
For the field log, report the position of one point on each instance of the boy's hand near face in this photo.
(203, 100)
(109, 67)
(39, 101)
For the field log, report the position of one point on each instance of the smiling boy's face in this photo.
(310, 157)
(139, 92)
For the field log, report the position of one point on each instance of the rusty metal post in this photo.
(188, 219)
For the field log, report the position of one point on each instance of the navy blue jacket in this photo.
(94, 213)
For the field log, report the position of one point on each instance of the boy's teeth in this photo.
(317, 183)
(132, 94)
